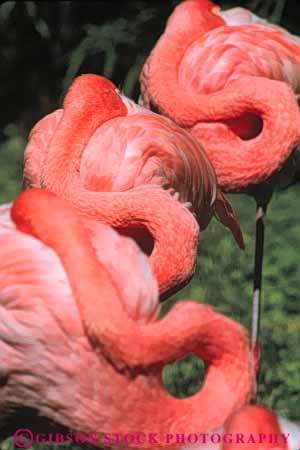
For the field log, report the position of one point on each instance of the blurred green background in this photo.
(44, 46)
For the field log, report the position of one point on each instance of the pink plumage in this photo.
(234, 85)
(114, 161)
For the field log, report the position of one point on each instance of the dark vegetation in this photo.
(44, 45)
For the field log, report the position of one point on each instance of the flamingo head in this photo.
(93, 92)
(259, 421)
(138, 290)
(194, 14)
(205, 5)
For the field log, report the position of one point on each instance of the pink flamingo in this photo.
(233, 80)
(57, 318)
(268, 430)
(113, 159)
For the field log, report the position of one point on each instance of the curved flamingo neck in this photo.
(88, 104)
(188, 22)
(189, 327)
(248, 95)
(194, 16)
(187, 108)
(91, 101)
(153, 210)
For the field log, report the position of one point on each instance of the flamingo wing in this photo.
(242, 16)
(227, 53)
(126, 152)
(36, 149)
(138, 149)
(220, 82)
(30, 271)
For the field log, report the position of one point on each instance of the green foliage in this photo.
(116, 47)
(11, 164)
(107, 40)
(224, 279)
(184, 377)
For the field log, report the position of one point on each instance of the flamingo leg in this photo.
(256, 303)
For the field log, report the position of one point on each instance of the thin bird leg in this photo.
(256, 305)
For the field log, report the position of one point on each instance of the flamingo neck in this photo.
(147, 212)
(194, 16)
(189, 21)
(29, 212)
(189, 327)
(228, 379)
(226, 388)
(90, 102)
(156, 221)
(215, 118)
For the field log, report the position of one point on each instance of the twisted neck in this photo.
(143, 350)
(140, 210)
(212, 117)
(91, 101)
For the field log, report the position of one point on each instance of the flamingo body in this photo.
(69, 316)
(66, 317)
(114, 160)
(138, 149)
(32, 270)
(233, 84)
